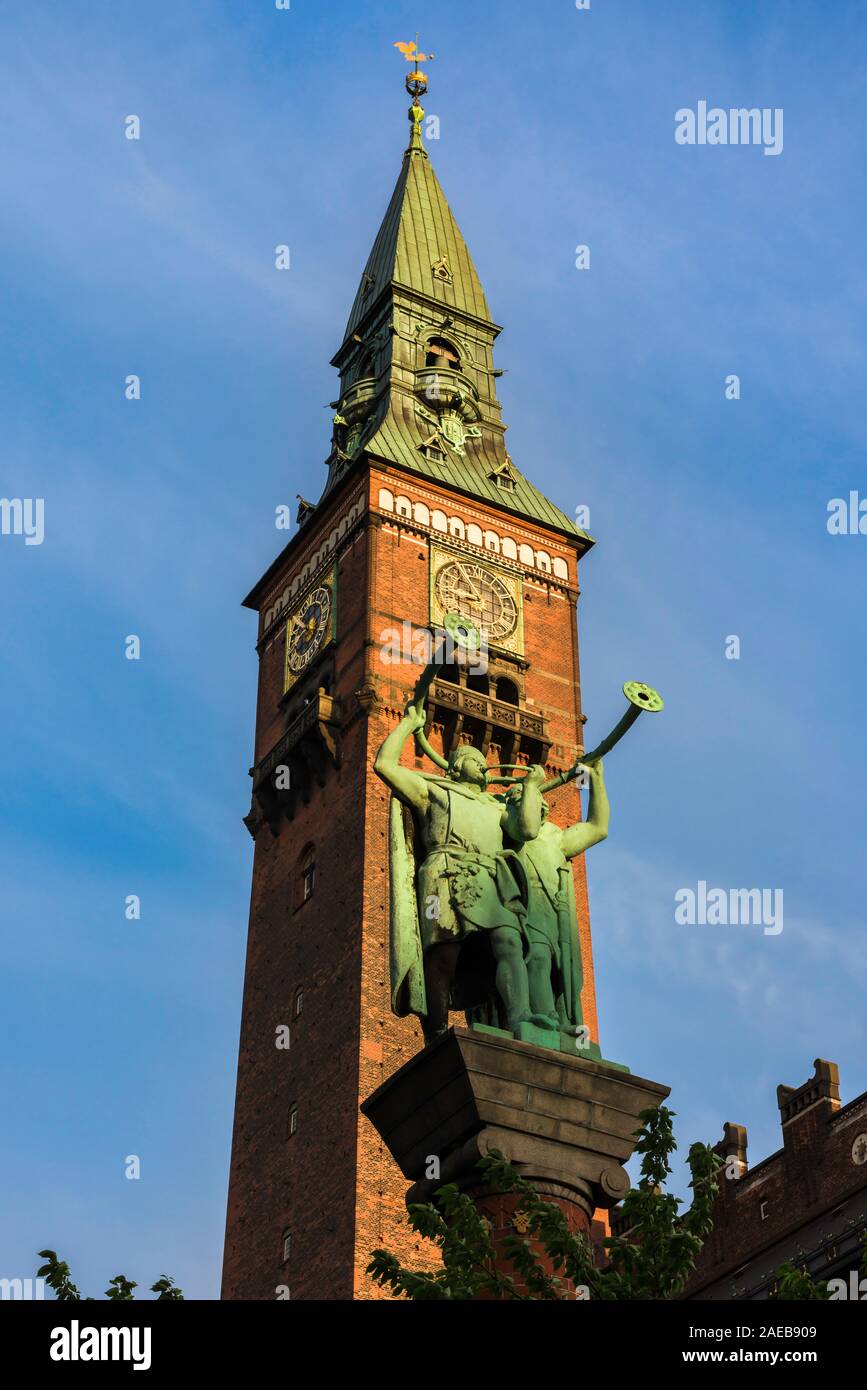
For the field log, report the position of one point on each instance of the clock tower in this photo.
(424, 513)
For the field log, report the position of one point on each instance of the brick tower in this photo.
(423, 512)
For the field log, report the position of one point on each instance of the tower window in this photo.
(293, 1121)
(286, 1247)
(305, 878)
(442, 354)
(308, 880)
(299, 1003)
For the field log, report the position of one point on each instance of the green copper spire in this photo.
(419, 233)
(418, 383)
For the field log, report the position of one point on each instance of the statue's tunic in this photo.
(544, 862)
(467, 882)
(550, 918)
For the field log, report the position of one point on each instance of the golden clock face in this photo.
(480, 594)
(307, 631)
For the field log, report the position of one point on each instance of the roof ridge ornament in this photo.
(416, 86)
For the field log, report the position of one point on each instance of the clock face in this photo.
(307, 631)
(859, 1150)
(477, 593)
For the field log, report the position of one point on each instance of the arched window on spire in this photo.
(441, 353)
(366, 367)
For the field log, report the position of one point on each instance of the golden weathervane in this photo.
(416, 81)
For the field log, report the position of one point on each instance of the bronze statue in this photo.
(458, 890)
(482, 898)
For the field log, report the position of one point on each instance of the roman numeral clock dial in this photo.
(489, 599)
(307, 632)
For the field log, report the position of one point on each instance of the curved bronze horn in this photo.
(465, 636)
(642, 698)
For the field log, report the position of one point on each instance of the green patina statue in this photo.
(482, 899)
(552, 948)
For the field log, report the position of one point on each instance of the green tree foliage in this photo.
(55, 1272)
(796, 1285)
(651, 1260)
(56, 1275)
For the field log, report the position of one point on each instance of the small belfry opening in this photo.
(442, 354)
(366, 367)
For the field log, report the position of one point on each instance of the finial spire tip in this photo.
(416, 85)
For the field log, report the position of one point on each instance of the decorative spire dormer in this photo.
(417, 375)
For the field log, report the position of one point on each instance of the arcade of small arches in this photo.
(491, 541)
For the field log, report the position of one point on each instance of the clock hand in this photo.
(466, 578)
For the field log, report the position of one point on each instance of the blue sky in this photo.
(155, 257)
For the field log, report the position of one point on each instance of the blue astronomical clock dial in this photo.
(308, 629)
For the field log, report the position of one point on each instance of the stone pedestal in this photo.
(567, 1124)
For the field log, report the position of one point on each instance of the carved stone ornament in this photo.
(368, 698)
